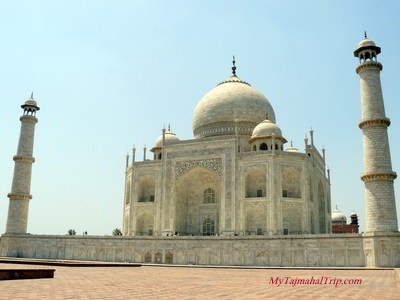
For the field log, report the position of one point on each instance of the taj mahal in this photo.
(236, 177)
(238, 193)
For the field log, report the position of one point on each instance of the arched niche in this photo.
(291, 183)
(147, 188)
(128, 193)
(145, 224)
(312, 222)
(256, 222)
(322, 208)
(255, 183)
(292, 216)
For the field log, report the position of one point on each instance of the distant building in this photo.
(339, 222)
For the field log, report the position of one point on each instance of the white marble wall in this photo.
(347, 250)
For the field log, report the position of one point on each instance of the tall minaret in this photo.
(378, 175)
(17, 220)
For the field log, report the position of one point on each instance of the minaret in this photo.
(17, 220)
(378, 175)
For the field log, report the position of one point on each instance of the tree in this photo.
(116, 232)
(71, 232)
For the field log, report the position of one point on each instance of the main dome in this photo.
(231, 103)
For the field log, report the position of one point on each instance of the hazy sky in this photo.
(109, 74)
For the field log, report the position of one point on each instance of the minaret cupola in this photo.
(30, 107)
(367, 50)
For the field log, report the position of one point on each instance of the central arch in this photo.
(197, 202)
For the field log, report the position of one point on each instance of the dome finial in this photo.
(32, 95)
(365, 34)
(233, 67)
(291, 143)
(266, 116)
(169, 127)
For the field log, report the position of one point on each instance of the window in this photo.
(147, 198)
(208, 227)
(259, 193)
(263, 146)
(209, 196)
(259, 231)
(285, 231)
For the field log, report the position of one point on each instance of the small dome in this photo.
(170, 138)
(30, 102)
(338, 216)
(30, 105)
(231, 100)
(292, 149)
(266, 128)
(366, 43)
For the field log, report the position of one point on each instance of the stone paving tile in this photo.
(150, 282)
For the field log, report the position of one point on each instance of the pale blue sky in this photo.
(109, 74)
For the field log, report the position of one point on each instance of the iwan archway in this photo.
(197, 203)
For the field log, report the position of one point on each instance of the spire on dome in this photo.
(32, 95)
(233, 67)
(365, 34)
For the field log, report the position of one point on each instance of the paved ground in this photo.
(150, 282)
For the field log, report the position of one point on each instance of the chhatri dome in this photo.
(231, 103)
(292, 149)
(170, 138)
(265, 129)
